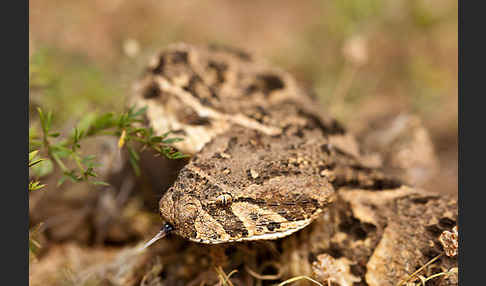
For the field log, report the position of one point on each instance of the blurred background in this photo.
(364, 59)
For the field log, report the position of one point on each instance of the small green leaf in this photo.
(43, 168)
(156, 139)
(177, 155)
(133, 153)
(133, 158)
(89, 173)
(88, 159)
(100, 183)
(102, 122)
(61, 180)
(33, 154)
(86, 121)
(165, 134)
(35, 185)
(46, 120)
(135, 166)
(172, 140)
(42, 119)
(139, 112)
(72, 176)
(35, 162)
(61, 151)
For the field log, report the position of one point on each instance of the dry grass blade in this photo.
(224, 278)
(297, 278)
(424, 280)
(419, 270)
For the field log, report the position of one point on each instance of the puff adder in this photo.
(266, 158)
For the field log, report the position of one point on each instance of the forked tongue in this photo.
(162, 233)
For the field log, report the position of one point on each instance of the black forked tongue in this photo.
(166, 229)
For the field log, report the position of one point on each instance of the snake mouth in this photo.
(265, 236)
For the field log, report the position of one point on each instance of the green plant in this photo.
(33, 160)
(34, 185)
(59, 149)
(125, 126)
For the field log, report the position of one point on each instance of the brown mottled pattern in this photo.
(257, 136)
(299, 209)
(230, 222)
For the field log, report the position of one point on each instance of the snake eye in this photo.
(224, 199)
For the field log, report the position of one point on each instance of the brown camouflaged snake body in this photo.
(266, 159)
